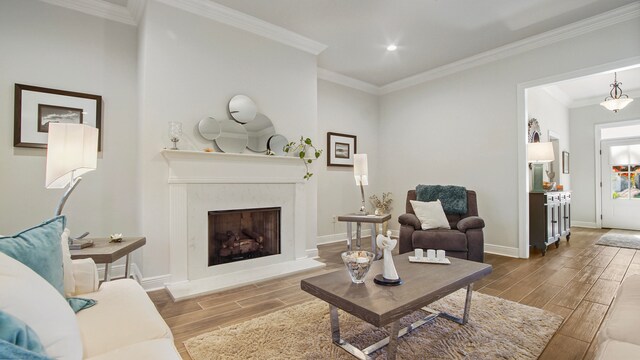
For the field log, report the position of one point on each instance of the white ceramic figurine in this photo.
(387, 244)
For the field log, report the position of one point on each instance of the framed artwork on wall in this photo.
(340, 149)
(565, 162)
(36, 107)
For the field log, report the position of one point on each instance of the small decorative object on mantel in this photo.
(208, 150)
(175, 132)
(115, 238)
(302, 148)
(389, 276)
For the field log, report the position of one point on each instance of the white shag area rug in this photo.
(497, 329)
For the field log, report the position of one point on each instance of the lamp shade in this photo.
(540, 152)
(616, 104)
(360, 169)
(72, 151)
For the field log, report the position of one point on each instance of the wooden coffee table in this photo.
(382, 305)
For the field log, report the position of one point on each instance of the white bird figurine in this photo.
(387, 244)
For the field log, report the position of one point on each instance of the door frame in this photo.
(597, 157)
(522, 116)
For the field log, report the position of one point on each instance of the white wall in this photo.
(348, 111)
(551, 115)
(49, 46)
(463, 128)
(190, 67)
(582, 129)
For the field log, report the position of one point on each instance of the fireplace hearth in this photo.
(242, 234)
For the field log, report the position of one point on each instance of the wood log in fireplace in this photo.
(240, 244)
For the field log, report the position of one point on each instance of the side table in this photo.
(104, 252)
(359, 219)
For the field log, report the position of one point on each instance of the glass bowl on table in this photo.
(358, 264)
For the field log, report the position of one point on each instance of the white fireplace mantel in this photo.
(200, 182)
(197, 167)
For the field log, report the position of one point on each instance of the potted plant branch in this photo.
(302, 148)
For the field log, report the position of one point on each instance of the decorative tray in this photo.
(424, 260)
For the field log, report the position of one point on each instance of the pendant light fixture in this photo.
(616, 99)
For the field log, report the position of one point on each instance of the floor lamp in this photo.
(537, 154)
(360, 172)
(72, 150)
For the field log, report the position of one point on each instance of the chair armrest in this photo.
(85, 274)
(471, 222)
(410, 220)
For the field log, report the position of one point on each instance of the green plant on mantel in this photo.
(303, 147)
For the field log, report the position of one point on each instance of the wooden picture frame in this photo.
(340, 149)
(565, 162)
(35, 107)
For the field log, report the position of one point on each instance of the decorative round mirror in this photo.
(209, 128)
(259, 130)
(276, 144)
(233, 137)
(242, 108)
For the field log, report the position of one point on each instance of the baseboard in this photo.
(584, 224)
(155, 282)
(334, 238)
(312, 253)
(501, 250)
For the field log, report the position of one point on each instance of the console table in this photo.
(549, 218)
(105, 252)
(359, 219)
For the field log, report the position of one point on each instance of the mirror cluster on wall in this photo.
(247, 129)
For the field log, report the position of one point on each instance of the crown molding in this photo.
(248, 23)
(344, 80)
(98, 8)
(609, 18)
(136, 9)
(596, 100)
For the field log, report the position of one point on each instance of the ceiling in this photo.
(594, 88)
(429, 33)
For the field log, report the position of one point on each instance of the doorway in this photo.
(620, 179)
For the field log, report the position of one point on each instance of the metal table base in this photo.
(395, 331)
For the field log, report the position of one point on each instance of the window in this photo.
(625, 172)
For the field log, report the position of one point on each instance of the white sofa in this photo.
(124, 324)
(619, 336)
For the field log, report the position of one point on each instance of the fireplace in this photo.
(236, 235)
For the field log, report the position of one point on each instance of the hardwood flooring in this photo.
(577, 281)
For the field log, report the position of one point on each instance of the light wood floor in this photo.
(577, 281)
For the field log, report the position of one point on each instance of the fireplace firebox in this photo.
(242, 234)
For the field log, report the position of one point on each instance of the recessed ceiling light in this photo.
(392, 47)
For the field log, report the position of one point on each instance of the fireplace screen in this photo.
(236, 235)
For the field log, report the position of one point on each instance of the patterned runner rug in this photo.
(497, 329)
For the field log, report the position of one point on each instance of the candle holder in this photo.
(358, 264)
(175, 132)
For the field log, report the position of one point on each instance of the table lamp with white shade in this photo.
(72, 150)
(538, 154)
(361, 172)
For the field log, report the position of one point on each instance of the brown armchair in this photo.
(465, 239)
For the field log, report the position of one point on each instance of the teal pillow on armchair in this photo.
(39, 248)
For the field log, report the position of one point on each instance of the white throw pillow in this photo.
(27, 296)
(430, 214)
(67, 265)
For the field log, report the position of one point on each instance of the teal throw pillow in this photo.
(78, 304)
(18, 340)
(39, 249)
